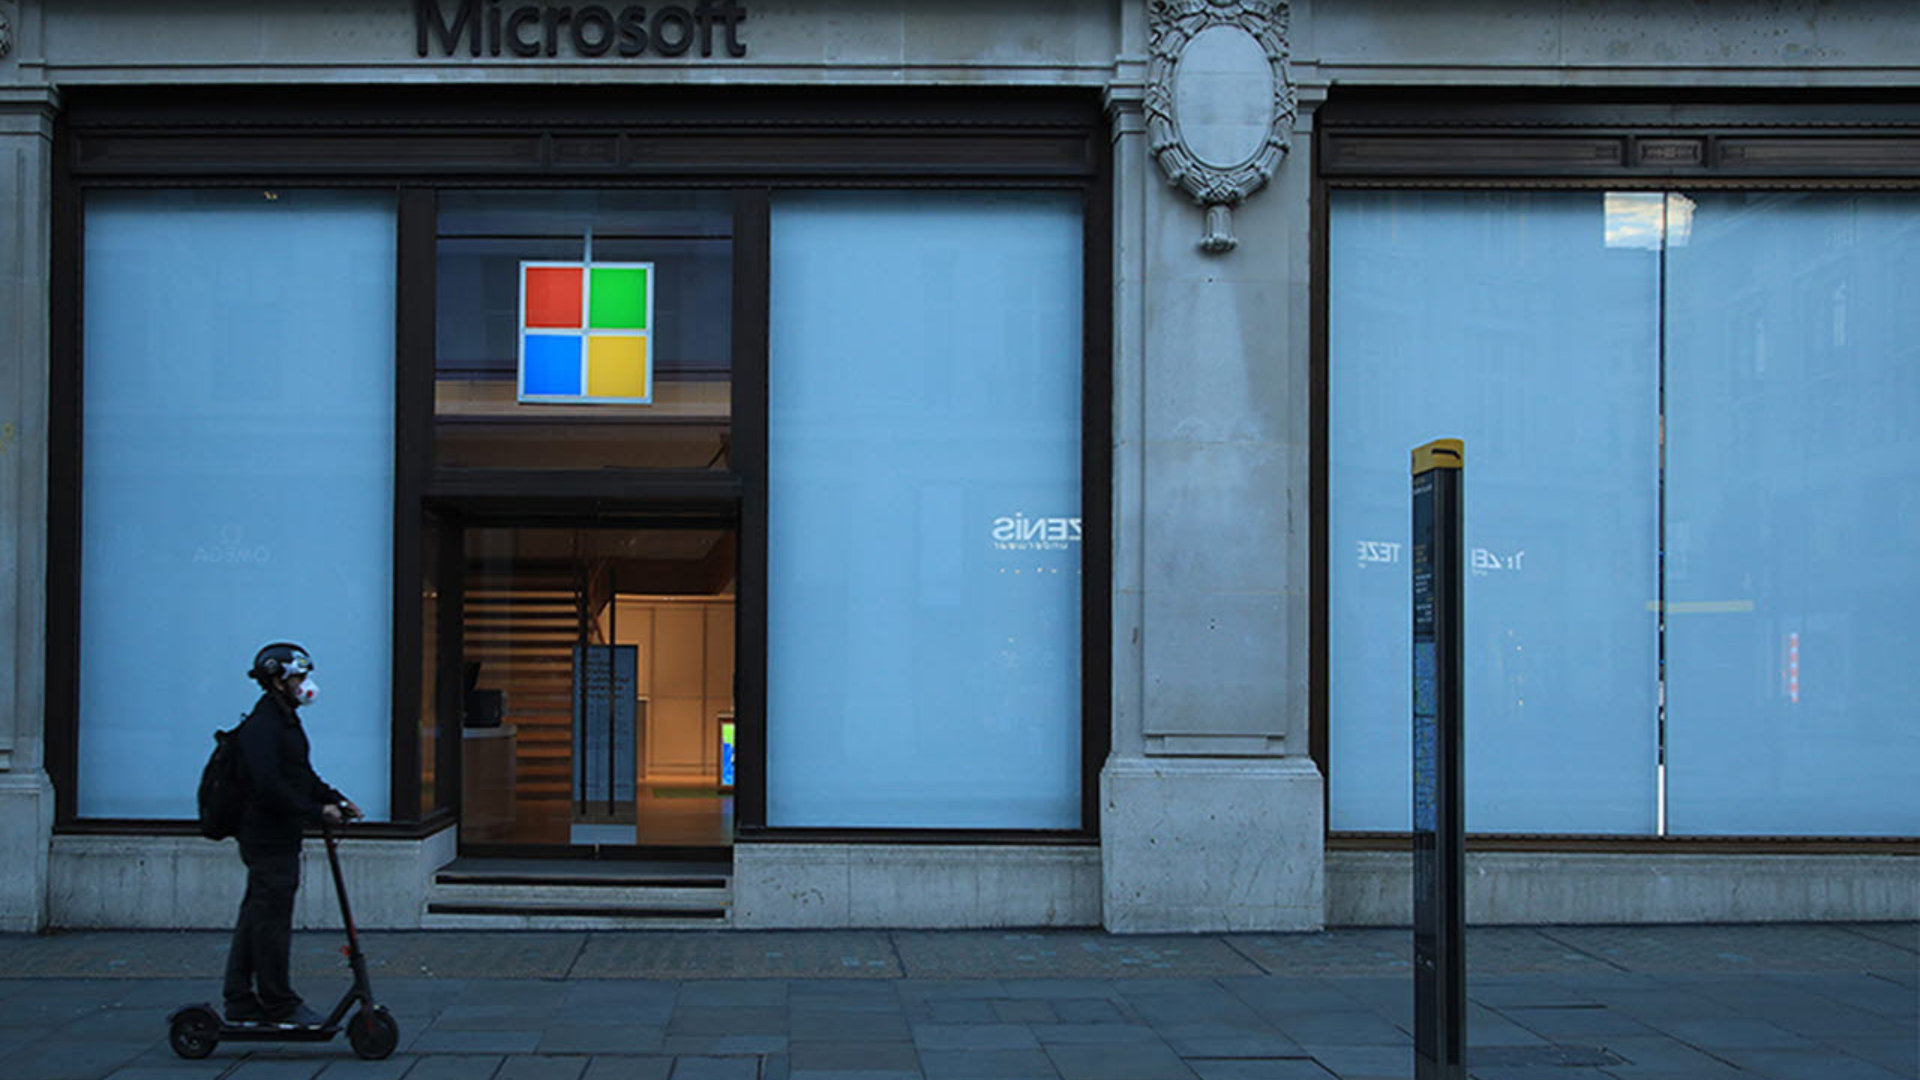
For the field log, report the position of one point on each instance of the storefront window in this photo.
(1513, 321)
(1793, 383)
(923, 664)
(584, 330)
(238, 481)
(1766, 340)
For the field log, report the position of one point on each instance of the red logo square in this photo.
(553, 296)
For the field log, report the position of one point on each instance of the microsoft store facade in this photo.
(824, 464)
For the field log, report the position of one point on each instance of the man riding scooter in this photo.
(284, 795)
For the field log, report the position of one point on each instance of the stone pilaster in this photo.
(1211, 810)
(26, 795)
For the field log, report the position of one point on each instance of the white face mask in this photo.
(306, 692)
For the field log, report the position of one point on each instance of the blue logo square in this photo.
(550, 364)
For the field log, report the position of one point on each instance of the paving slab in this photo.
(1559, 1023)
(203, 1070)
(1065, 954)
(1902, 935)
(267, 1069)
(1207, 1003)
(544, 1067)
(1661, 1055)
(970, 1037)
(1745, 948)
(1350, 1027)
(1901, 1056)
(469, 954)
(1331, 952)
(724, 1045)
(735, 954)
(734, 994)
(49, 1059)
(1224, 1041)
(1745, 1033)
(1094, 1034)
(810, 1023)
(454, 1067)
(392, 1068)
(987, 1065)
(590, 1039)
(476, 1042)
(628, 1068)
(716, 1068)
(1135, 1061)
(853, 1057)
(1860, 990)
(1815, 1064)
(737, 1020)
(1367, 1061)
(1275, 1069)
(1079, 1010)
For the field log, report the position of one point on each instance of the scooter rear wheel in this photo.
(373, 1033)
(194, 1033)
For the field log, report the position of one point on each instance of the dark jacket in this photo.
(283, 791)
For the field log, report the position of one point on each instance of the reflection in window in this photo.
(1793, 380)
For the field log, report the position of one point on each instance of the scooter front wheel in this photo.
(373, 1033)
(194, 1032)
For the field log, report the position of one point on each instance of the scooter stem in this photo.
(340, 889)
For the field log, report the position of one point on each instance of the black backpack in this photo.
(223, 790)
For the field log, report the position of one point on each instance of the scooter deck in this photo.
(265, 1031)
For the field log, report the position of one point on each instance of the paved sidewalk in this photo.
(1796, 1002)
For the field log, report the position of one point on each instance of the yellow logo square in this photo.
(617, 366)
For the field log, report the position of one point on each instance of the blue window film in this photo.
(237, 483)
(1526, 324)
(923, 619)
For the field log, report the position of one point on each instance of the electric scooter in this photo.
(194, 1030)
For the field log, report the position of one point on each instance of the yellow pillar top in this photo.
(1439, 454)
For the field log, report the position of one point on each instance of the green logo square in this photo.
(618, 298)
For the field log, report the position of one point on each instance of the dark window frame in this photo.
(418, 141)
(1653, 139)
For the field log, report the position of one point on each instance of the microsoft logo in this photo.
(585, 332)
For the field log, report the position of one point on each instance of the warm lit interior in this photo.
(559, 751)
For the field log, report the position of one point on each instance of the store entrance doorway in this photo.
(596, 669)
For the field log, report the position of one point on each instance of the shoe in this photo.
(245, 1011)
(298, 1016)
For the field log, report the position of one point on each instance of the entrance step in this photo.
(549, 894)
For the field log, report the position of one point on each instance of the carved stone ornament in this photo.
(1220, 104)
(6, 36)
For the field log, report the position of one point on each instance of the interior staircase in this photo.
(521, 629)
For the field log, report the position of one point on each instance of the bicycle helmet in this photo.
(277, 661)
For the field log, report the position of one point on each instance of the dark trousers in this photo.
(262, 938)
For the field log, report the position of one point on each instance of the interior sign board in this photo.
(501, 28)
(604, 680)
(1439, 826)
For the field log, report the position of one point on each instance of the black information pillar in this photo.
(1439, 833)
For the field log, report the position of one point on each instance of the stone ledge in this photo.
(1375, 888)
(185, 882)
(922, 886)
